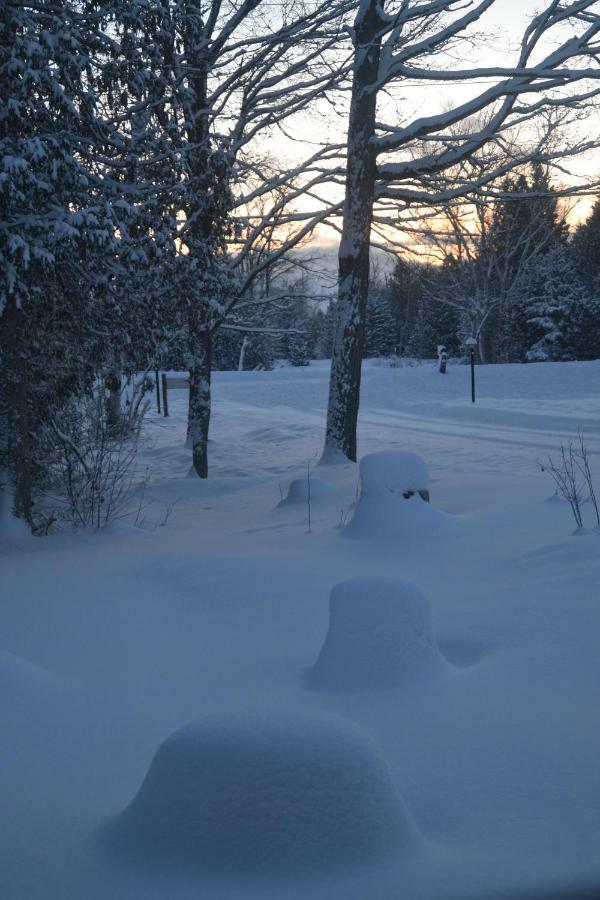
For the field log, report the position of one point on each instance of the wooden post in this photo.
(442, 357)
(164, 393)
(157, 391)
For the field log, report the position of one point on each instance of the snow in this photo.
(303, 490)
(392, 504)
(224, 607)
(396, 472)
(11, 528)
(266, 792)
(379, 636)
(27, 689)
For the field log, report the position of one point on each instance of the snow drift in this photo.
(24, 683)
(266, 792)
(300, 490)
(380, 636)
(394, 498)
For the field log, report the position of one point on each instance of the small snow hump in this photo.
(380, 636)
(394, 498)
(301, 490)
(282, 791)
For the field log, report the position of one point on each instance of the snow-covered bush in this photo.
(304, 490)
(393, 501)
(270, 792)
(572, 475)
(380, 636)
(91, 475)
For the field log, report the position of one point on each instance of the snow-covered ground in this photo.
(111, 642)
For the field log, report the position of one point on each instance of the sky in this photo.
(505, 22)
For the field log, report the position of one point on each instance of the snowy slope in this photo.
(111, 642)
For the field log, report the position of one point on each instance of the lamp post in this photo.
(471, 344)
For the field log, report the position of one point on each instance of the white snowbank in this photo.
(267, 792)
(380, 636)
(390, 505)
(300, 490)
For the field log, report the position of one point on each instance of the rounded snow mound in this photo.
(243, 792)
(394, 498)
(299, 491)
(379, 636)
(395, 471)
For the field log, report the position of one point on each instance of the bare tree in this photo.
(436, 159)
(229, 73)
(486, 246)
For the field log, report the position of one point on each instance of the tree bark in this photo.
(15, 409)
(112, 383)
(202, 214)
(344, 384)
(199, 403)
(242, 358)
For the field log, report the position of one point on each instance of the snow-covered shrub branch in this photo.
(572, 475)
(92, 477)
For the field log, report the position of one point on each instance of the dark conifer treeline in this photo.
(529, 289)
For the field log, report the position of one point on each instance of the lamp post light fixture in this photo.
(471, 344)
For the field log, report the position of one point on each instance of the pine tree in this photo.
(298, 349)
(380, 327)
(553, 298)
(586, 246)
(324, 341)
(57, 228)
(405, 290)
(522, 227)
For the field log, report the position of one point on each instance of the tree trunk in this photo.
(112, 383)
(16, 450)
(199, 404)
(344, 384)
(243, 349)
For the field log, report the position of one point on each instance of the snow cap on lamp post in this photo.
(471, 343)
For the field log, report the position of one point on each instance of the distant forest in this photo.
(511, 273)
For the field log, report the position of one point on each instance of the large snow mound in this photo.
(393, 499)
(270, 792)
(380, 636)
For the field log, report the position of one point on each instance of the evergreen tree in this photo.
(586, 247)
(324, 341)
(58, 229)
(584, 325)
(520, 228)
(380, 326)
(299, 349)
(405, 289)
(553, 298)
